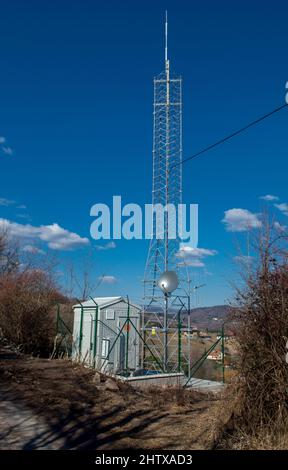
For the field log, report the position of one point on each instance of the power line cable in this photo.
(219, 142)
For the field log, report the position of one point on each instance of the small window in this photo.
(110, 314)
(105, 348)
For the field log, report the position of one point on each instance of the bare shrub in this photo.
(26, 299)
(262, 317)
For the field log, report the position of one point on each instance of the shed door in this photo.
(87, 341)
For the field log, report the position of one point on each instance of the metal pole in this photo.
(179, 341)
(143, 350)
(223, 354)
(142, 343)
(189, 337)
(201, 360)
(127, 337)
(165, 331)
(81, 332)
(95, 333)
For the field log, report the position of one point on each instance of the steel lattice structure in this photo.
(163, 315)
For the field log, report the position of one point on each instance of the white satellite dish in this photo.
(168, 282)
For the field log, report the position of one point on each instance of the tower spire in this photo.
(166, 36)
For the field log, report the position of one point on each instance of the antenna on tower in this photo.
(162, 262)
(166, 36)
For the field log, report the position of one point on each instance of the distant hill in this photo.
(210, 317)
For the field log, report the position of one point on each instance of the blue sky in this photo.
(76, 123)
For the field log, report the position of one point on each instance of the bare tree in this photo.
(9, 254)
(28, 293)
(262, 319)
(81, 282)
(26, 316)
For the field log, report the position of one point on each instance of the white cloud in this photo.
(193, 256)
(240, 220)
(188, 251)
(108, 246)
(242, 259)
(282, 207)
(24, 216)
(4, 147)
(56, 237)
(7, 150)
(33, 250)
(269, 198)
(59, 238)
(279, 227)
(108, 279)
(6, 202)
(193, 263)
(10, 202)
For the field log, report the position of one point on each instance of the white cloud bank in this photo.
(108, 246)
(240, 220)
(7, 150)
(33, 249)
(108, 279)
(6, 202)
(10, 202)
(269, 198)
(279, 227)
(244, 260)
(282, 207)
(194, 257)
(4, 147)
(56, 237)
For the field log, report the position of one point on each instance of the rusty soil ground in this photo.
(55, 404)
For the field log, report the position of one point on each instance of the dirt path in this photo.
(23, 428)
(57, 405)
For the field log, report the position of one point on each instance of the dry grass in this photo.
(81, 412)
(230, 430)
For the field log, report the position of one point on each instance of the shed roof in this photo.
(105, 302)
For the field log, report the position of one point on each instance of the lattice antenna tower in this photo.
(166, 189)
(167, 170)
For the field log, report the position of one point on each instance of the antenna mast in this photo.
(166, 37)
(167, 191)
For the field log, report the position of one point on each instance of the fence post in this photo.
(179, 341)
(95, 333)
(223, 353)
(127, 336)
(80, 330)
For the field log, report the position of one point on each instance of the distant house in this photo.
(215, 356)
(194, 332)
(228, 335)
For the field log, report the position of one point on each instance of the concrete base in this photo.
(205, 385)
(156, 380)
